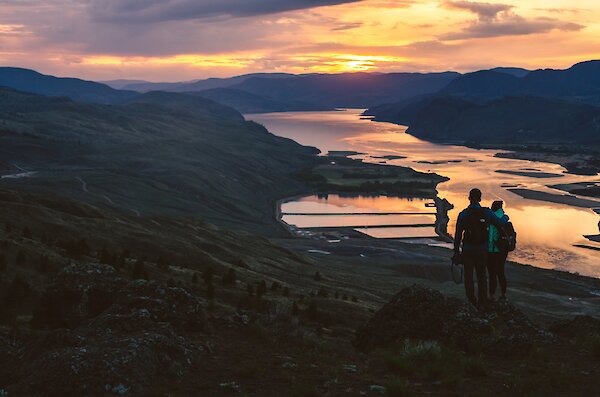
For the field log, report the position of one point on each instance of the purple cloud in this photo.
(148, 11)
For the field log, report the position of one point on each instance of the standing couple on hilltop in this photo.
(486, 236)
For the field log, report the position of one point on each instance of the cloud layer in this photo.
(188, 39)
(132, 11)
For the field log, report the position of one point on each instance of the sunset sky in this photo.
(174, 40)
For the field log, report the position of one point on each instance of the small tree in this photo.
(210, 292)
(312, 312)
(250, 289)
(229, 278)
(27, 233)
(44, 264)
(105, 256)
(322, 293)
(139, 270)
(21, 258)
(207, 275)
(161, 263)
(286, 292)
(261, 289)
(295, 309)
(275, 286)
(317, 276)
(195, 278)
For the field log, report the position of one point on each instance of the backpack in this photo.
(476, 228)
(508, 238)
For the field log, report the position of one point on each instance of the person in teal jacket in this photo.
(496, 258)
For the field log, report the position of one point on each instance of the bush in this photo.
(210, 292)
(207, 276)
(261, 289)
(317, 276)
(433, 361)
(229, 278)
(139, 270)
(398, 388)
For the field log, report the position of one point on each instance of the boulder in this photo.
(419, 313)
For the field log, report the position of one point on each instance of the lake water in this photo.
(547, 232)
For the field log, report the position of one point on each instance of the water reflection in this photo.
(547, 231)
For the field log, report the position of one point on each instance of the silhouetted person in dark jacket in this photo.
(472, 232)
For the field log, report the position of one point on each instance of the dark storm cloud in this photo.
(147, 11)
(496, 20)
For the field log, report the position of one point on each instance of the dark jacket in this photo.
(491, 219)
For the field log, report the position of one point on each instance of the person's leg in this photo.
(500, 265)
(468, 266)
(481, 277)
(491, 268)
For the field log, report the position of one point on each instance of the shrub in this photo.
(27, 233)
(210, 292)
(207, 276)
(312, 312)
(322, 293)
(229, 278)
(139, 270)
(398, 388)
(317, 276)
(21, 258)
(261, 289)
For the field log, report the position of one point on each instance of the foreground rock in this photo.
(421, 313)
(127, 339)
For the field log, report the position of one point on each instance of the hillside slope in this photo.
(145, 158)
(506, 120)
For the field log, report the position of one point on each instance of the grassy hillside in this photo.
(150, 157)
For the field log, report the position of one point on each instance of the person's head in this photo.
(496, 205)
(475, 195)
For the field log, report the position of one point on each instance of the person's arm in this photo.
(495, 220)
(458, 235)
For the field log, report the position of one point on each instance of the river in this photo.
(547, 232)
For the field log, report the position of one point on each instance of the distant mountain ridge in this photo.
(509, 120)
(581, 82)
(80, 90)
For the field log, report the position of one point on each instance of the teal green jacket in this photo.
(494, 235)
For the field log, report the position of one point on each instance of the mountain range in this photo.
(521, 105)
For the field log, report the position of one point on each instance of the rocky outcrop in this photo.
(420, 313)
(137, 336)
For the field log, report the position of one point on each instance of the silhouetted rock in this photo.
(425, 314)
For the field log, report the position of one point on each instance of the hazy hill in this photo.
(247, 102)
(187, 104)
(76, 89)
(517, 72)
(580, 82)
(505, 120)
(119, 84)
(200, 85)
(143, 158)
(349, 89)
